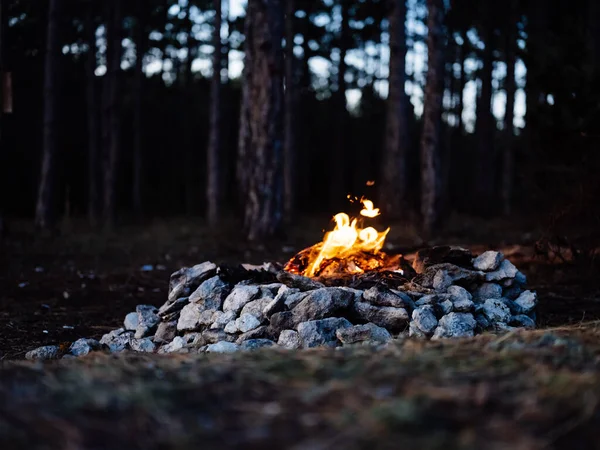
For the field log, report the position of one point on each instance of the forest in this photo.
(113, 110)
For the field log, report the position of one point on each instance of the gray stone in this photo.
(174, 346)
(298, 281)
(446, 307)
(148, 320)
(282, 320)
(506, 270)
(247, 322)
(424, 319)
(262, 332)
(527, 301)
(271, 289)
(143, 345)
(222, 347)
(495, 310)
(84, 346)
(239, 297)
(487, 290)
(363, 333)
(461, 299)
(488, 261)
(321, 303)
(522, 321)
(231, 327)
(173, 306)
(221, 319)
(131, 321)
(521, 278)
(255, 344)
(450, 272)
(193, 340)
(315, 333)
(413, 331)
(165, 332)
(394, 319)
(455, 325)
(512, 292)
(387, 298)
(278, 303)
(358, 294)
(213, 336)
(211, 293)
(185, 280)
(194, 317)
(292, 300)
(256, 307)
(43, 353)
(289, 339)
(442, 281)
(482, 322)
(117, 340)
(432, 299)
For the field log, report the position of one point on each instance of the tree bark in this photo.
(291, 107)
(92, 120)
(213, 189)
(392, 193)
(484, 127)
(462, 81)
(45, 213)
(262, 119)
(510, 86)
(432, 118)
(113, 62)
(141, 44)
(337, 192)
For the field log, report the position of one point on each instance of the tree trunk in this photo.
(392, 192)
(337, 192)
(213, 188)
(141, 44)
(462, 54)
(185, 77)
(263, 119)
(113, 62)
(432, 118)
(291, 107)
(511, 87)
(484, 127)
(92, 120)
(45, 213)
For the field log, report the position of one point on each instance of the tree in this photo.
(432, 117)
(213, 191)
(112, 119)
(291, 106)
(45, 213)
(141, 44)
(392, 193)
(92, 119)
(261, 132)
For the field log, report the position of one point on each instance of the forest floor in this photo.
(529, 389)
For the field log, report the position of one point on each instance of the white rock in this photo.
(289, 339)
(488, 261)
(175, 345)
(131, 321)
(43, 353)
(506, 270)
(247, 322)
(222, 319)
(84, 346)
(222, 347)
(455, 325)
(527, 301)
(496, 311)
(231, 327)
(424, 319)
(239, 297)
(487, 290)
(143, 345)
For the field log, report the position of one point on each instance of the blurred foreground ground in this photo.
(525, 390)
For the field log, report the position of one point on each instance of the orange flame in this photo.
(348, 239)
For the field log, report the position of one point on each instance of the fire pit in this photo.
(343, 291)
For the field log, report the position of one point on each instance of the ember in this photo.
(348, 249)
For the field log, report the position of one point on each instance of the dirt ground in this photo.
(536, 389)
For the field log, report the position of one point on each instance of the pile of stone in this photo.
(453, 295)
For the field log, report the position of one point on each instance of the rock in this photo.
(231, 327)
(211, 293)
(450, 272)
(222, 347)
(322, 332)
(506, 270)
(523, 321)
(432, 299)
(193, 340)
(298, 281)
(117, 340)
(247, 322)
(255, 344)
(363, 333)
(43, 353)
(495, 310)
(262, 332)
(271, 290)
(424, 319)
(446, 307)
(84, 346)
(358, 294)
(520, 278)
(213, 336)
(321, 303)
(394, 319)
(488, 261)
(185, 280)
(289, 339)
(292, 300)
(442, 281)
(396, 299)
(278, 303)
(527, 301)
(482, 322)
(131, 321)
(461, 299)
(239, 297)
(173, 306)
(455, 325)
(512, 292)
(282, 320)
(487, 290)
(174, 346)
(255, 308)
(413, 331)
(441, 254)
(222, 319)
(143, 345)
(148, 320)
(195, 317)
